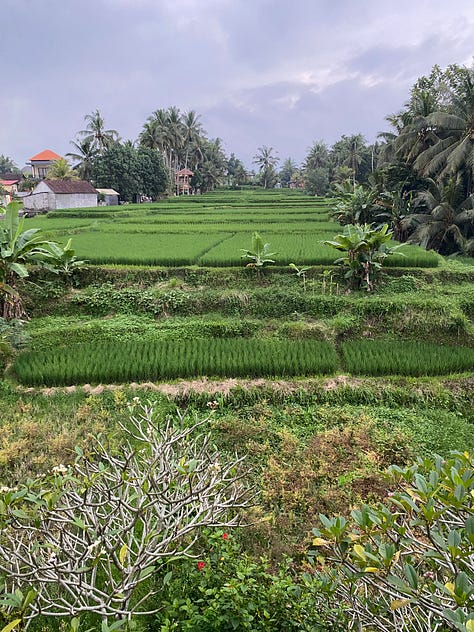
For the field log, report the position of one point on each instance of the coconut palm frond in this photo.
(447, 121)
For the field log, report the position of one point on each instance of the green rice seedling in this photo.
(380, 357)
(159, 360)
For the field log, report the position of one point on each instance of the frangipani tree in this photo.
(89, 537)
(407, 564)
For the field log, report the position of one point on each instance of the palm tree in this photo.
(445, 220)
(318, 156)
(266, 162)
(454, 151)
(192, 130)
(95, 132)
(350, 152)
(214, 164)
(83, 157)
(417, 133)
(286, 173)
(61, 170)
(356, 144)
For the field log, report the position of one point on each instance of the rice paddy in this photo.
(207, 230)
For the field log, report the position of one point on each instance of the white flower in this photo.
(59, 469)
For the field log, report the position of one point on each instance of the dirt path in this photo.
(203, 385)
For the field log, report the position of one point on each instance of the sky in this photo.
(280, 73)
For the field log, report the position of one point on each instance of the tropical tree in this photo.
(259, 254)
(7, 165)
(96, 133)
(192, 130)
(354, 204)
(443, 218)
(453, 150)
(365, 249)
(352, 152)
(316, 169)
(236, 173)
(266, 161)
(213, 165)
(18, 248)
(89, 537)
(406, 564)
(287, 171)
(27, 183)
(131, 171)
(61, 170)
(83, 156)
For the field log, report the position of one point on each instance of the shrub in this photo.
(407, 564)
(224, 589)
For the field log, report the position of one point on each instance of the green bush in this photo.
(407, 564)
(224, 589)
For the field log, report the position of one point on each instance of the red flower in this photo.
(225, 536)
(201, 565)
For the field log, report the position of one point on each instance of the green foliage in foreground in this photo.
(407, 564)
(378, 357)
(115, 362)
(86, 538)
(224, 589)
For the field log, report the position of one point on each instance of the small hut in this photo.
(110, 197)
(183, 182)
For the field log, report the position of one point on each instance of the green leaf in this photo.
(411, 575)
(123, 554)
(11, 625)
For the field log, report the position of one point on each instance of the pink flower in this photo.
(201, 565)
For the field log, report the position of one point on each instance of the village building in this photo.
(8, 187)
(41, 163)
(110, 197)
(51, 195)
(183, 182)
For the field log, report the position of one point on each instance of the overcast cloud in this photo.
(260, 72)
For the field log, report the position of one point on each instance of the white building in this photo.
(50, 195)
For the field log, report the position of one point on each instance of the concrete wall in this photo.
(43, 199)
(75, 200)
(40, 201)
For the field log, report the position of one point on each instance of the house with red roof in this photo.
(42, 162)
(50, 195)
(8, 187)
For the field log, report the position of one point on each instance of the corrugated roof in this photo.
(7, 183)
(70, 186)
(47, 154)
(108, 191)
(185, 172)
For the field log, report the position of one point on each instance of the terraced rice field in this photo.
(209, 231)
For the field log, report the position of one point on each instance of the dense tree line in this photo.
(418, 177)
(170, 140)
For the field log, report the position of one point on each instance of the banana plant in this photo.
(260, 253)
(19, 247)
(365, 249)
(300, 273)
